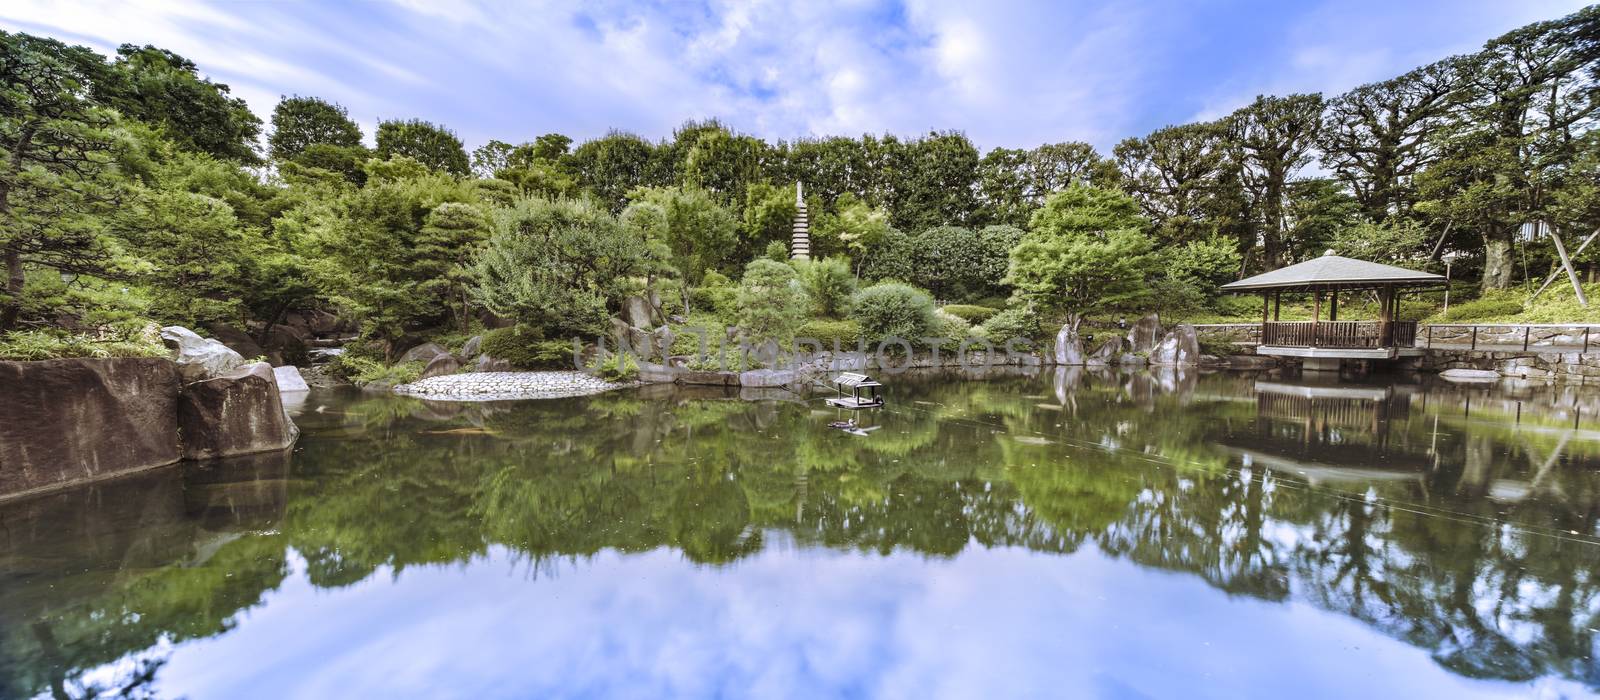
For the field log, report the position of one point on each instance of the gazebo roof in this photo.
(1335, 272)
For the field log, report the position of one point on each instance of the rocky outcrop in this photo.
(472, 347)
(237, 413)
(487, 363)
(423, 353)
(1068, 349)
(66, 421)
(639, 313)
(236, 340)
(289, 380)
(441, 365)
(1181, 346)
(199, 358)
(1108, 353)
(1145, 334)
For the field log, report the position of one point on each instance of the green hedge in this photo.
(527, 348)
(846, 332)
(971, 313)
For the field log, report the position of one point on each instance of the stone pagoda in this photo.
(800, 242)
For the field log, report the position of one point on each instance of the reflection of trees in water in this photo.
(1143, 467)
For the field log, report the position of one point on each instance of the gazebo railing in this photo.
(1339, 334)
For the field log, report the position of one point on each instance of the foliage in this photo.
(556, 265)
(893, 309)
(952, 262)
(299, 123)
(617, 367)
(432, 145)
(970, 313)
(951, 327)
(717, 294)
(1395, 242)
(1008, 324)
(697, 230)
(1087, 254)
(771, 303)
(362, 371)
(828, 283)
(862, 229)
(1205, 263)
(165, 90)
(53, 345)
(844, 332)
(527, 348)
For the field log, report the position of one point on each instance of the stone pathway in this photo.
(504, 386)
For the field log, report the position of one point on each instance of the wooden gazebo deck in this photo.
(1331, 340)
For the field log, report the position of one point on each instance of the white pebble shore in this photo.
(506, 386)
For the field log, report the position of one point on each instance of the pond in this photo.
(1064, 534)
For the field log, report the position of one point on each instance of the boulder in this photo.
(1107, 353)
(1069, 346)
(710, 378)
(492, 364)
(238, 413)
(67, 421)
(441, 365)
(1181, 346)
(289, 379)
(199, 358)
(287, 342)
(1470, 375)
(637, 312)
(472, 347)
(652, 373)
(1129, 359)
(236, 340)
(1145, 334)
(661, 342)
(423, 353)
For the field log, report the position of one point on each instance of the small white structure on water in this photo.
(856, 382)
(800, 242)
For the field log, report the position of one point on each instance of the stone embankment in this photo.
(498, 386)
(69, 421)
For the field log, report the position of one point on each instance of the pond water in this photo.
(1066, 534)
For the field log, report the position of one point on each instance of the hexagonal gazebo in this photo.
(1323, 343)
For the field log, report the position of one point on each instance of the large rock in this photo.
(1069, 345)
(66, 421)
(1145, 334)
(423, 353)
(236, 340)
(472, 347)
(441, 365)
(289, 379)
(1470, 375)
(237, 413)
(1107, 353)
(1181, 346)
(492, 364)
(199, 358)
(637, 312)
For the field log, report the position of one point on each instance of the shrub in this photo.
(716, 294)
(1008, 324)
(893, 309)
(771, 303)
(527, 348)
(42, 345)
(1478, 309)
(845, 332)
(828, 283)
(952, 328)
(363, 371)
(617, 367)
(777, 251)
(970, 313)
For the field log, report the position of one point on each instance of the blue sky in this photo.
(1012, 74)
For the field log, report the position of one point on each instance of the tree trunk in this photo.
(1498, 263)
(11, 308)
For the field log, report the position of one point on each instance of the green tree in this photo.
(613, 165)
(1275, 137)
(700, 232)
(428, 143)
(556, 265)
(1086, 253)
(301, 122)
(937, 182)
(894, 310)
(1176, 173)
(164, 89)
(828, 283)
(771, 303)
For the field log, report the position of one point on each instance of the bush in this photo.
(892, 309)
(970, 313)
(771, 303)
(1008, 324)
(527, 348)
(845, 332)
(777, 251)
(716, 294)
(363, 371)
(828, 283)
(952, 328)
(617, 367)
(42, 345)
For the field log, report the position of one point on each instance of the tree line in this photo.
(133, 187)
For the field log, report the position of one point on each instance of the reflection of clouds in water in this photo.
(987, 623)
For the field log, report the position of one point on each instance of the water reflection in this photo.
(1459, 522)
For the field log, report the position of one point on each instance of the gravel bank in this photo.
(502, 386)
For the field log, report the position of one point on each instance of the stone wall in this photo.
(1549, 366)
(64, 422)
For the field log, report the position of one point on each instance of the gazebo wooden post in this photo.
(1386, 328)
(1277, 304)
(1316, 316)
(1333, 304)
(1266, 301)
